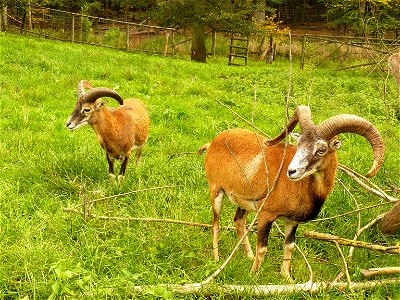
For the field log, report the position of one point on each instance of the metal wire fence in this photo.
(129, 36)
(80, 28)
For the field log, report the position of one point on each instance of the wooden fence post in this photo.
(73, 29)
(303, 51)
(166, 42)
(127, 37)
(214, 41)
(173, 42)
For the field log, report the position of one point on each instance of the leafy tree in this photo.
(229, 16)
(365, 16)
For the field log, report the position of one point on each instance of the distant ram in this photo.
(119, 130)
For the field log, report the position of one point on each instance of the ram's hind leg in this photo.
(216, 203)
(122, 171)
(240, 224)
(138, 153)
(290, 231)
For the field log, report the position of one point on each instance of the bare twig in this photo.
(239, 116)
(361, 230)
(132, 192)
(311, 278)
(380, 271)
(267, 290)
(342, 241)
(171, 156)
(350, 212)
(375, 190)
(345, 267)
(157, 220)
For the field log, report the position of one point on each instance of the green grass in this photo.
(47, 253)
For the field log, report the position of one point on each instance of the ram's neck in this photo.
(324, 179)
(102, 122)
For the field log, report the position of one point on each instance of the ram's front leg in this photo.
(290, 231)
(110, 161)
(264, 227)
(240, 224)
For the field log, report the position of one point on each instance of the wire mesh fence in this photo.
(129, 36)
(80, 28)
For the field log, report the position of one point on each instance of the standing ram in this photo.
(119, 130)
(294, 181)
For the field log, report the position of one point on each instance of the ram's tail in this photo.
(203, 148)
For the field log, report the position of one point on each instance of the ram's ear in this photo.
(100, 103)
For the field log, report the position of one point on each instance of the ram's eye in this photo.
(86, 110)
(321, 151)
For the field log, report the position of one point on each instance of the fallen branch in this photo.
(345, 266)
(75, 211)
(132, 192)
(342, 241)
(380, 271)
(350, 212)
(155, 220)
(311, 278)
(266, 290)
(171, 156)
(374, 190)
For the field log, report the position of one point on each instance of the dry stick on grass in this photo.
(373, 190)
(342, 241)
(380, 271)
(350, 212)
(171, 156)
(266, 290)
(157, 220)
(128, 193)
(345, 266)
(311, 278)
(357, 235)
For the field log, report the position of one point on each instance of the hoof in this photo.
(111, 177)
(287, 277)
(254, 269)
(250, 256)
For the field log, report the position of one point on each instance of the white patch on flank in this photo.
(251, 168)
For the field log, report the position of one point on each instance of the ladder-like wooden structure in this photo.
(239, 48)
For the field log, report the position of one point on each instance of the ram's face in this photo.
(81, 115)
(310, 156)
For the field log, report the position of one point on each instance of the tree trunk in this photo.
(29, 8)
(199, 52)
(3, 18)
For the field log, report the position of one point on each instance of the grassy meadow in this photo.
(46, 253)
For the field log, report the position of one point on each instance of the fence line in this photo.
(130, 36)
(82, 28)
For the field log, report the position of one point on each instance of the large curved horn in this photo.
(301, 115)
(355, 124)
(82, 85)
(99, 92)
